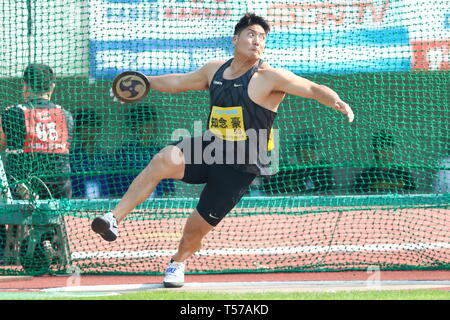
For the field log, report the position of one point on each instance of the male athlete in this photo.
(245, 93)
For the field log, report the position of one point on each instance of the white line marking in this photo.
(253, 285)
(264, 251)
(114, 287)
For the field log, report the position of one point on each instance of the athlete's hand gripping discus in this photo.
(130, 86)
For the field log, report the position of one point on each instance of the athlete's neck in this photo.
(239, 66)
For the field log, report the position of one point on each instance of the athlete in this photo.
(245, 93)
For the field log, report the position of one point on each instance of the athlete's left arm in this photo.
(288, 82)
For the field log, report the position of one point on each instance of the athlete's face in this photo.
(250, 42)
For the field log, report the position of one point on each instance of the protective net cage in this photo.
(345, 197)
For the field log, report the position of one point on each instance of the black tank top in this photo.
(243, 127)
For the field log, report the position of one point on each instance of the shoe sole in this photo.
(101, 227)
(173, 284)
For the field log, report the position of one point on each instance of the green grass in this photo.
(348, 295)
(181, 295)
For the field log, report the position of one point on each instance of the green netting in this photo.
(373, 193)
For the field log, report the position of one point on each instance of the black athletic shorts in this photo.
(224, 187)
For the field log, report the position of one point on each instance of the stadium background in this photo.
(388, 59)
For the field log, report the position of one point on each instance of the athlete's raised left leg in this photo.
(167, 164)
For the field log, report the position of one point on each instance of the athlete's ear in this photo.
(233, 41)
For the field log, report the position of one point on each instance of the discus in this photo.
(130, 86)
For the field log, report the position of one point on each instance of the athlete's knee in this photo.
(168, 163)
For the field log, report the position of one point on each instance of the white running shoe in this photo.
(174, 275)
(106, 226)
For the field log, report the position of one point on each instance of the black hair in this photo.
(250, 19)
(383, 140)
(39, 77)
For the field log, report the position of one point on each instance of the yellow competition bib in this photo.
(270, 143)
(227, 123)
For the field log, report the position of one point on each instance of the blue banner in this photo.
(154, 57)
(307, 37)
(349, 52)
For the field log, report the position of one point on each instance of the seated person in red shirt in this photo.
(38, 137)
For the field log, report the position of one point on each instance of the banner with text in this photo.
(308, 36)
